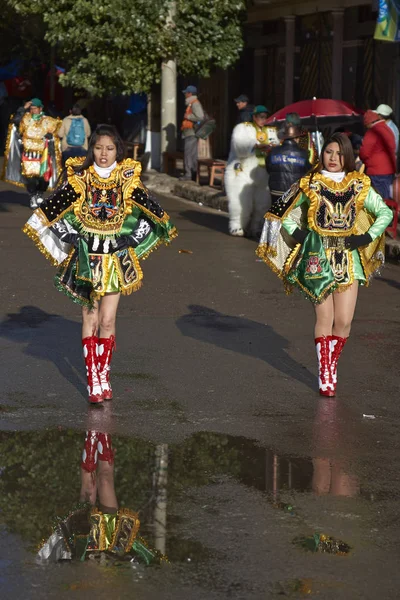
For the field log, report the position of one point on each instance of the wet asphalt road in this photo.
(214, 366)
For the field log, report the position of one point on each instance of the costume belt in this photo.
(331, 241)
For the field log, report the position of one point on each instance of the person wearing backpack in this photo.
(75, 132)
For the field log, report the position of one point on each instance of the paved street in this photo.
(216, 367)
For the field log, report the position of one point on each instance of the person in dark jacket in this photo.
(245, 110)
(286, 163)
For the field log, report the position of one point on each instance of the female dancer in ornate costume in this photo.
(33, 152)
(325, 236)
(96, 226)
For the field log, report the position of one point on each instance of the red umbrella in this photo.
(317, 108)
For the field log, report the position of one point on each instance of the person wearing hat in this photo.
(378, 153)
(194, 113)
(305, 139)
(287, 163)
(245, 110)
(386, 112)
(246, 180)
(33, 152)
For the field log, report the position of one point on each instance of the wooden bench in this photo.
(133, 150)
(214, 167)
(169, 161)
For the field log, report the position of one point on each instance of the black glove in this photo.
(48, 136)
(71, 238)
(355, 241)
(300, 235)
(126, 241)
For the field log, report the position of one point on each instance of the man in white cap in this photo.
(386, 112)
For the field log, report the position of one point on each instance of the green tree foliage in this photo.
(118, 45)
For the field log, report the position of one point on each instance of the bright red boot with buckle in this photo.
(106, 348)
(336, 345)
(90, 354)
(326, 386)
(90, 452)
(104, 447)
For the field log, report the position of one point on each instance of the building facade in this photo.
(298, 49)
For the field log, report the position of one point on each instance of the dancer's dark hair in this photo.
(346, 150)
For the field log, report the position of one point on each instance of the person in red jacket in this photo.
(378, 153)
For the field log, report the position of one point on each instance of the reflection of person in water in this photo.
(91, 530)
(331, 475)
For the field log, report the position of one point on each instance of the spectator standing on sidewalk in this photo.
(194, 114)
(378, 153)
(286, 163)
(74, 133)
(386, 112)
(245, 110)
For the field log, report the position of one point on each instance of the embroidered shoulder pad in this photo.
(280, 206)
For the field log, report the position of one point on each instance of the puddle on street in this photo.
(47, 473)
(112, 500)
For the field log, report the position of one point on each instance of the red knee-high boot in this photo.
(106, 452)
(90, 453)
(106, 348)
(336, 345)
(90, 354)
(322, 346)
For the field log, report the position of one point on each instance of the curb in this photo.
(189, 190)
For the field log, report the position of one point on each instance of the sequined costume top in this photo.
(32, 132)
(100, 210)
(331, 211)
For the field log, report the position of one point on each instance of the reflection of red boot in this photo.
(326, 387)
(336, 345)
(104, 447)
(90, 354)
(106, 347)
(89, 454)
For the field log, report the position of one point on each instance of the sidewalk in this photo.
(208, 196)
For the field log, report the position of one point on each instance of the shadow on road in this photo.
(209, 220)
(245, 337)
(11, 197)
(47, 337)
(391, 282)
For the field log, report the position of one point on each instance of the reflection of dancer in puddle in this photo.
(96, 226)
(95, 531)
(330, 475)
(325, 236)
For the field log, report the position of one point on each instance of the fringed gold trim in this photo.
(334, 186)
(6, 153)
(171, 236)
(30, 232)
(319, 299)
(100, 524)
(127, 289)
(266, 249)
(122, 515)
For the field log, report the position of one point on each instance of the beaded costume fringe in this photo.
(30, 232)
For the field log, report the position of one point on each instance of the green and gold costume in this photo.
(331, 211)
(100, 210)
(88, 532)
